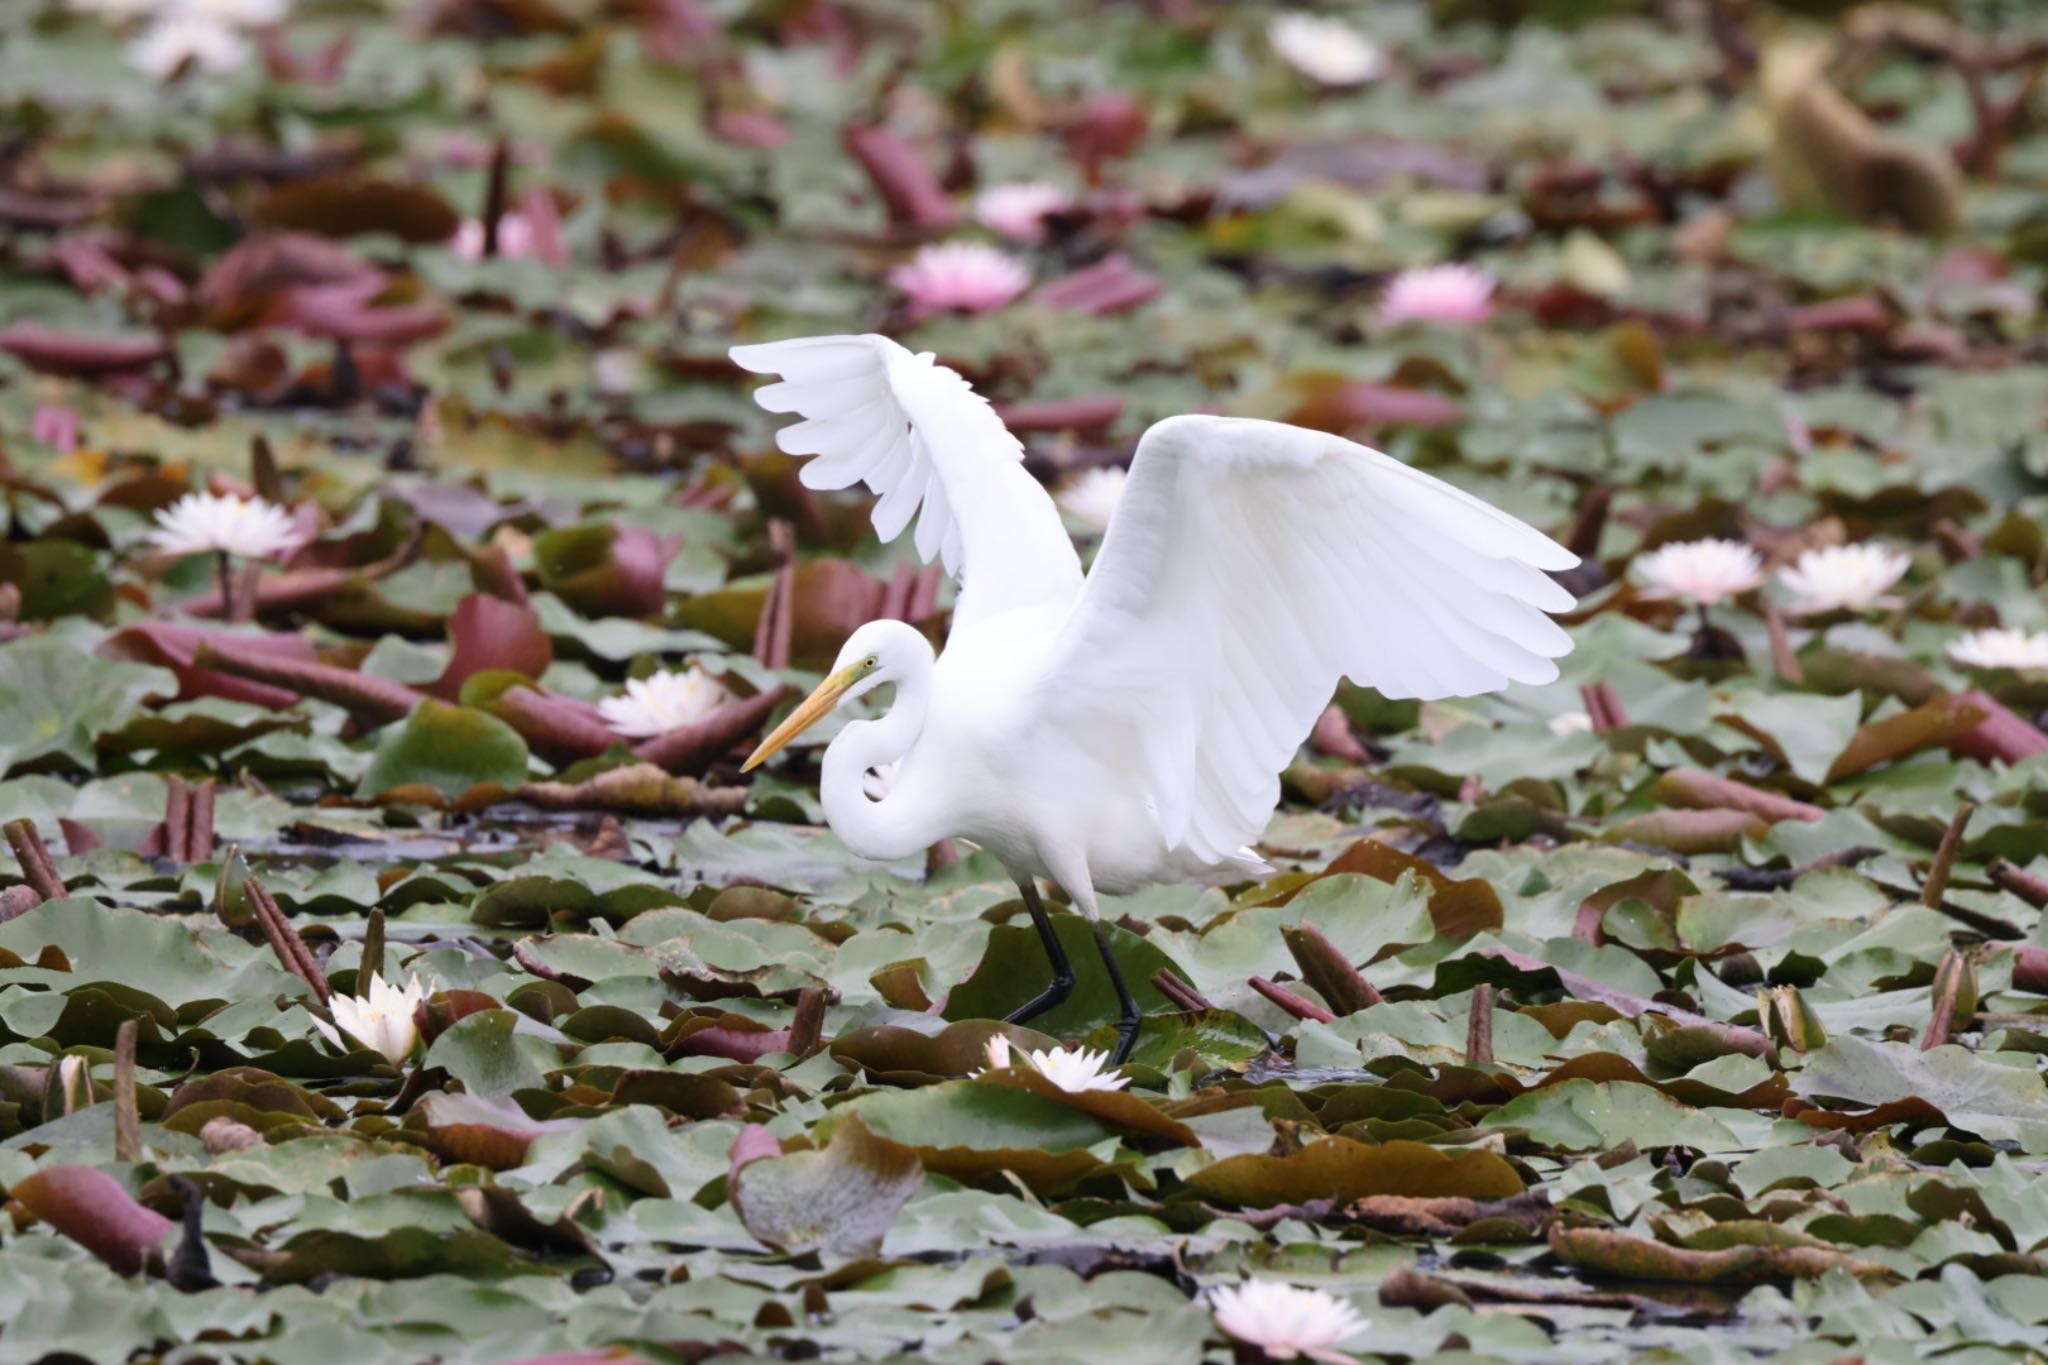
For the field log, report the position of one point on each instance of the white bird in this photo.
(1128, 728)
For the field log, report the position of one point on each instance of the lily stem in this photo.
(226, 567)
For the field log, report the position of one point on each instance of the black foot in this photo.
(1128, 1017)
(1062, 973)
(1126, 1039)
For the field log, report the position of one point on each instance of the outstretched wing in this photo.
(1251, 564)
(920, 438)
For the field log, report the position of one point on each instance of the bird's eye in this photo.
(871, 661)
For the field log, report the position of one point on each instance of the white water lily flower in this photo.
(2001, 649)
(381, 1020)
(248, 13)
(1327, 51)
(242, 13)
(1079, 1070)
(1843, 577)
(1072, 1072)
(1701, 571)
(207, 523)
(207, 33)
(1285, 1322)
(175, 39)
(667, 701)
(1091, 497)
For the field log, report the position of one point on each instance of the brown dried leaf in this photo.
(1606, 1254)
(56, 351)
(1688, 831)
(347, 205)
(1696, 789)
(1339, 1168)
(640, 789)
(1458, 909)
(1937, 724)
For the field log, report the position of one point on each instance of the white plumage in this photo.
(920, 438)
(1130, 727)
(1249, 566)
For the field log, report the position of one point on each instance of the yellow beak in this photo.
(808, 713)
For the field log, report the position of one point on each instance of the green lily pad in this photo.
(445, 750)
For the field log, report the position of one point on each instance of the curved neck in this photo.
(896, 826)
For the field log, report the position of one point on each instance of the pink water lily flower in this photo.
(1018, 210)
(966, 276)
(1453, 293)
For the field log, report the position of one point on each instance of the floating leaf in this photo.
(1014, 968)
(486, 1053)
(489, 633)
(604, 570)
(57, 351)
(446, 751)
(1894, 1082)
(977, 1133)
(57, 700)
(840, 1200)
(345, 206)
(1620, 1256)
(56, 578)
(1339, 1168)
(1458, 909)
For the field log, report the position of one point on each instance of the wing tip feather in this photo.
(767, 357)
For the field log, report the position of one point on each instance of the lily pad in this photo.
(445, 751)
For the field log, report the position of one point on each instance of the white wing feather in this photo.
(931, 449)
(1251, 564)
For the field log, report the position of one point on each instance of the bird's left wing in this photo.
(920, 438)
(1248, 566)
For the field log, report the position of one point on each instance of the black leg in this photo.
(1062, 974)
(1128, 1017)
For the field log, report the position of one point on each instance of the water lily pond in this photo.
(397, 965)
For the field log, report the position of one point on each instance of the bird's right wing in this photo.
(1248, 566)
(920, 438)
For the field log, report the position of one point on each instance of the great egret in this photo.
(1128, 728)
